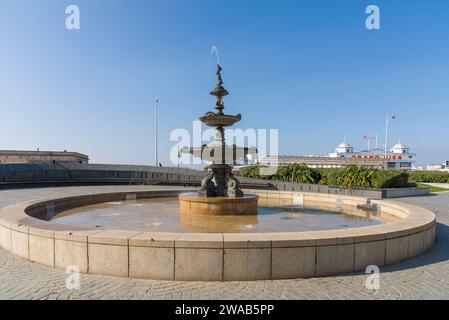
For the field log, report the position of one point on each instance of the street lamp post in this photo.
(156, 105)
(179, 155)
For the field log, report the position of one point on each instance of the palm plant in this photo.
(299, 173)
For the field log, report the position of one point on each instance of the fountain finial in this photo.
(219, 79)
(219, 91)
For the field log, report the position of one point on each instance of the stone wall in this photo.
(23, 175)
(65, 174)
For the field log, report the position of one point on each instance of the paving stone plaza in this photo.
(423, 277)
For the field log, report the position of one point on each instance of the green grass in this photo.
(432, 188)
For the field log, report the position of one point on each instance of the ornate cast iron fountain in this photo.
(219, 181)
(220, 192)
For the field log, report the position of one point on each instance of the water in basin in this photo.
(162, 215)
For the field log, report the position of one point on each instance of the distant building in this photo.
(15, 156)
(439, 167)
(399, 158)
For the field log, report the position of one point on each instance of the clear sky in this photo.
(308, 68)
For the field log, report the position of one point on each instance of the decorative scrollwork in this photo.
(207, 181)
(232, 184)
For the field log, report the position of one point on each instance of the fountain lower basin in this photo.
(165, 215)
(224, 256)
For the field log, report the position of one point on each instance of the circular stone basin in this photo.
(142, 235)
(166, 215)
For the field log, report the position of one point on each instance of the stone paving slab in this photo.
(424, 277)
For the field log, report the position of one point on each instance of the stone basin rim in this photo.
(410, 221)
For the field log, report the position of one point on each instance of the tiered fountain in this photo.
(220, 192)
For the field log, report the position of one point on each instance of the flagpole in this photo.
(386, 140)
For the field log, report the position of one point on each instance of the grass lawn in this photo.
(432, 188)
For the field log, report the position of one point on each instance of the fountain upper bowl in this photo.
(220, 120)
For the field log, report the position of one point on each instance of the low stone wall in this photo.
(36, 175)
(317, 188)
(405, 192)
(22, 175)
(216, 257)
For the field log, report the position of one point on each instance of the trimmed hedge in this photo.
(356, 177)
(390, 179)
(429, 176)
(349, 177)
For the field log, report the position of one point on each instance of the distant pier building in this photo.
(398, 158)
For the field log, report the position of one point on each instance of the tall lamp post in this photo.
(156, 105)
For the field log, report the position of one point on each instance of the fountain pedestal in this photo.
(220, 182)
(193, 203)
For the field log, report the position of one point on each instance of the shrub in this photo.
(323, 181)
(350, 177)
(253, 172)
(429, 176)
(325, 172)
(353, 177)
(390, 179)
(299, 173)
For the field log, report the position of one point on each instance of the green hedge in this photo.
(253, 172)
(390, 179)
(350, 177)
(429, 176)
(299, 173)
(356, 177)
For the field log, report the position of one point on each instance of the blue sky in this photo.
(308, 68)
